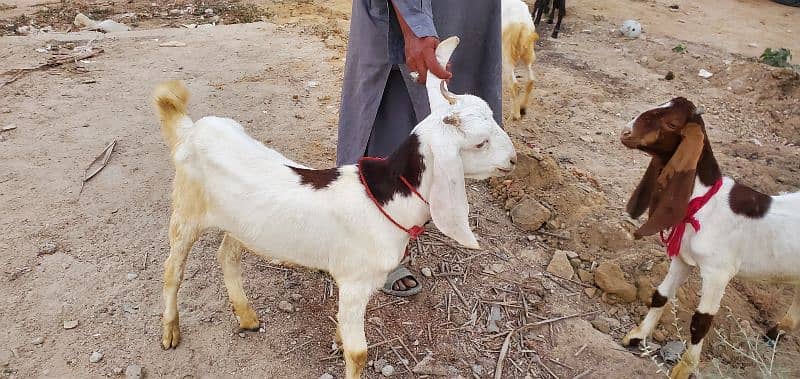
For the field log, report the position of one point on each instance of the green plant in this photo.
(777, 58)
(680, 48)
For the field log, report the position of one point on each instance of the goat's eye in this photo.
(482, 144)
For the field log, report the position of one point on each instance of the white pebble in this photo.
(95, 357)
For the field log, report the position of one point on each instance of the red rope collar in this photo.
(414, 231)
(673, 241)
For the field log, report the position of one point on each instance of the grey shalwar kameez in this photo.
(380, 103)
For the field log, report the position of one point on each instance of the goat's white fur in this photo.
(227, 180)
(519, 38)
(729, 245)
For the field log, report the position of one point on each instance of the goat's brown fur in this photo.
(518, 47)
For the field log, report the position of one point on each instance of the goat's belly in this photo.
(773, 270)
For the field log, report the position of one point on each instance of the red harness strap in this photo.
(673, 241)
(414, 231)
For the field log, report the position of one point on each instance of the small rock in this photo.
(242, 335)
(586, 139)
(172, 44)
(296, 296)
(497, 268)
(96, 357)
(286, 306)
(12, 127)
(659, 336)
(493, 318)
(38, 341)
(116, 371)
(560, 265)
(571, 254)
(209, 11)
(669, 76)
(705, 74)
(606, 323)
(530, 214)
(477, 370)
(610, 278)
(378, 364)
(752, 44)
(48, 248)
(429, 366)
(133, 372)
(601, 325)
(590, 292)
(585, 276)
(387, 370)
(132, 275)
(671, 352)
(71, 324)
(644, 289)
(326, 376)
(426, 272)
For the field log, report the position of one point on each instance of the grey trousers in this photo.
(395, 118)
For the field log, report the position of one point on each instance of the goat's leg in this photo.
(526, 97)
(562, 10)
(512, 84)
(667, 290)
(538, 9)
(552, 12)
(353, 299)
(714, 283)
(183, 232)
(791, 320)
(229, 256)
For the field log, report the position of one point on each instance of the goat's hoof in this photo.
(522, 112)
(681, 371)
(632, 339)
(248, 320)
(171, 335)
(554, 35)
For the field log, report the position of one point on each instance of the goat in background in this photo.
(519, 39)
(352, 221)
(541, 6)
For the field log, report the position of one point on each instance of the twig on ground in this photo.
(498, 372)
(53, 62)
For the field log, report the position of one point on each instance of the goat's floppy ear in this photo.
(674, 185)
(448, 197)
(437, 90)
(640, 199)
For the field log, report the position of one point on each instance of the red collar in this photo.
(414, 231)
(673, 241)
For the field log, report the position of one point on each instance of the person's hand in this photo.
(421, 57)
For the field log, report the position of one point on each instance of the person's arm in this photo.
(419, 35)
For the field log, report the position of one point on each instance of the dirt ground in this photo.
(94, 254)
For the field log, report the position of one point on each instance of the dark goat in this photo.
(541, 7)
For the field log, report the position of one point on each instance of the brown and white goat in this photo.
(328, 219)
(732, 229)
(519, 39)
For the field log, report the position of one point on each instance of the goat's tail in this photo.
(520, 38)
(170, 99)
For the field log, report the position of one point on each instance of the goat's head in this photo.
(464, 141)
(674, 135)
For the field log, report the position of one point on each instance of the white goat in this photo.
(732, 229)
(324, 219)
(519, 38)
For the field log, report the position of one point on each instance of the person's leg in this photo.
(393, 124)
(395, 118)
